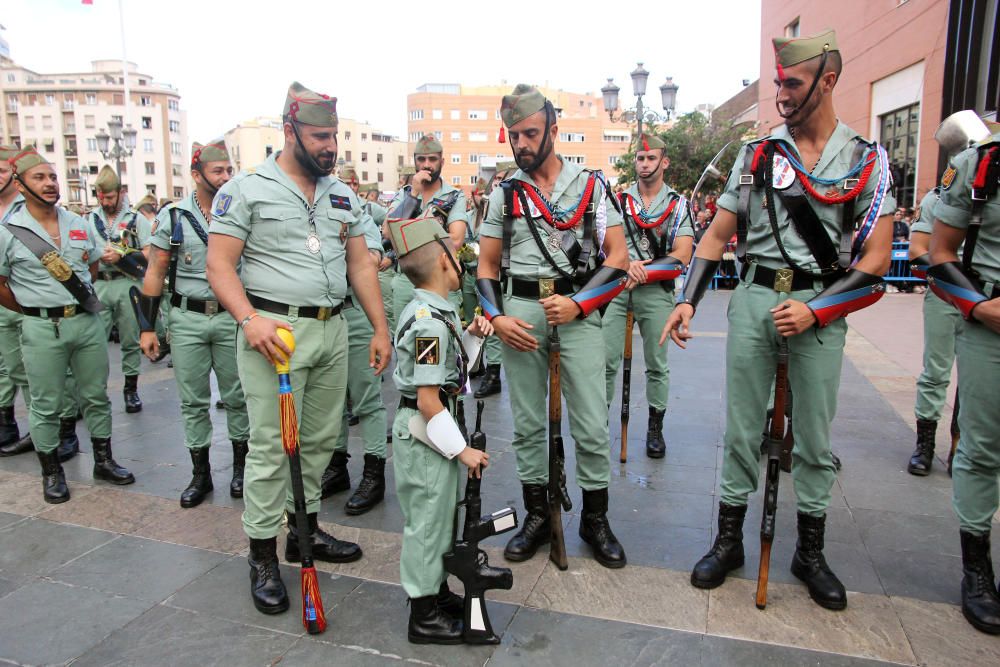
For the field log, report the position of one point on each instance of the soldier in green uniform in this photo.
(146, 207)
(298, 233)
(431, 367)
(203, 334)
(969, 213)
(47, 262)
(803, 271)
(941, 325)
(660, 239)
(116, 225)
(545, 231)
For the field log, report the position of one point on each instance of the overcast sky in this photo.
(233, 59)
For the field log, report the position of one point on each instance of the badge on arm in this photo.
(428, 351)
(222, 203)
(948, 177)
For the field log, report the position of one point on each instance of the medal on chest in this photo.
(643, 243)
(187, 258)
(313, 243)
(555, 240)
(782, 174)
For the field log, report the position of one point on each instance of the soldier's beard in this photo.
(528, 162)
(435, 175)
(317, 166)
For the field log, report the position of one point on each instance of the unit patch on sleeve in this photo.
(948, 177)
(222, 203)
(428, 351)
(339, 201)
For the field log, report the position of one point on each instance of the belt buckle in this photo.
(851, 183)
(746, 179)
(211, 307)
(546, 287)
(978, 194)
(69, 311)
(783, 280)
(323, 313)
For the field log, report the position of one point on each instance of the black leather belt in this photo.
(784, 280)
(321, 313)
(407, 402)
(541, 288)
(348, 302)
(53, 313)
(108, 275)
(208, 307)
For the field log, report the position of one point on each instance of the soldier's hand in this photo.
(475, 460)
(637, 273)
(559, 309)
(379, 352)
(419, 180)
(514, 332)
(149, 344)
(262, 335)
(385, 264)
(792, 318)
(988, 313)
(678, 325)
(110, 255)
(480, 327)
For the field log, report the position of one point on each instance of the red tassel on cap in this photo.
(645, 144)
(502, 137)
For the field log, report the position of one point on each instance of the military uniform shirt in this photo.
(834, 162)
(377, 212)
(633, 233)
(427, 354)
(457, 212)
(955, 210)
(17, 203)
(32, 284)
(925, 223)
(193, 252)
(526, 259)
(143, 230)
(268, 212)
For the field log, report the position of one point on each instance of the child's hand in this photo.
(475, 460)
(480, 327)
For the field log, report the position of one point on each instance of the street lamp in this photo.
(83, 170)
(668, 95)
(117, 143)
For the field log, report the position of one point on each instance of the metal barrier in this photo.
(899, 267)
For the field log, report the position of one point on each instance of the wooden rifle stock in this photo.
(627, 378)
(558, 497)
(775, 438)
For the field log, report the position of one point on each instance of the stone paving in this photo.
(124, 576)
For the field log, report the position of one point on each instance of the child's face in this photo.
(451, 267)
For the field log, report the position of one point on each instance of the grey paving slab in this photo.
(166, 636)
(36, 547)
(924, 576)
(9, 585)
(7, 519)
(318, 652)
(899, 531)
(46, 622)
(138, 568)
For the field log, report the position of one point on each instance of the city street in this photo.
(124, 576)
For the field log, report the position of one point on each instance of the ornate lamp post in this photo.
(117, 144)
(668, 96)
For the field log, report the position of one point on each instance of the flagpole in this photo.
(125, 77)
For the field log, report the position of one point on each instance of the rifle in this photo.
(627, 377)
(558, 496)
(776, 436)
(956, 433)
(470, 563)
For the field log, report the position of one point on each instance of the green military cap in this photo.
(305, 106)
(790, 51)
(348, 174)
(428, 144)
(480, 185)
(148, 200)
(7, 152)
(408, 170)
(76, 208)
(408, 235)
(25, 159)
(370, 187)
(649, 142)
(214, 151)
(524, 101)
(107, 180)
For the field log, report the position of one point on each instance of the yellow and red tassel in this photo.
(313, 617)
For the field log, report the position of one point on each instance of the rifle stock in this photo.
(627, 378)
(558, 496)
(775, 439)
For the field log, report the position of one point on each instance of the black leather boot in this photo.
(450, 603)
(656, 448)
(980, 600)
(810, 566)
(923, 456)
(9, 433)
(335, 477)
(21, 446)
(240, 450)
(54, 488)
(430, 625)
(325, 546)
(371, 490)
(105, 466)
(727, 553)
(201, 479)
(490, 383)
(69, 443)
(266, 588)
(535, 530)
(596, 531)
(131, 393)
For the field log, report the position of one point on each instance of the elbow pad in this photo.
(490, 296)
(854, 291)
(699, 277)
(603, 286)
(919, 265)
(952, 286)
(664, 268)
(146, 309)
(133, 265)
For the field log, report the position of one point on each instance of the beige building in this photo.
(61, 114)
(466, 120)
(377, 156)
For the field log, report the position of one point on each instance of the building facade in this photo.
(61, 114)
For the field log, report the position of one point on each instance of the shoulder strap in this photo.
(749, 178)
(99, 224)
(844, 255)
(176, 239)
(984, 186)
(508, 227)
(57, 267)
(587, 244)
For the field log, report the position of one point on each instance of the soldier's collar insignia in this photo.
(341, 202)
(222, 203)
(421, 313)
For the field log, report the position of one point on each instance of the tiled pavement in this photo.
(124, 576)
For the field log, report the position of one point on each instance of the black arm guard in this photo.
(700, 273)
(490, 297)
(601, 289)
(919, 265)
(407, 208)
(134, 265)
(951, 284)
(146, 308)
(856, 290)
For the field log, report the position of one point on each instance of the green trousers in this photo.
(427, 487)
(385, 283)
(118, 310)
(13, 378)
(941, 324)
(651, 304)
(976, 468)
(582, 374)
(363, 385)
(202, 344)
(50, 348)
(163, 321)
(319, 384)
(814, 377)
(493, 348)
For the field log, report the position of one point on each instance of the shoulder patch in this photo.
(428, 351)
(222, 203)
(948, 177)
(340, 201)
(77, 235)
(421, 313)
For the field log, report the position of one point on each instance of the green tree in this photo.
(692, 141)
